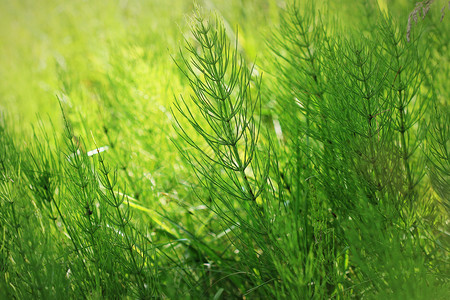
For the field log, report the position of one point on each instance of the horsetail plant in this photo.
(104, 218)
(224, 96)
(228, 160)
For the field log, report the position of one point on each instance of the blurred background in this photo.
(74, 48)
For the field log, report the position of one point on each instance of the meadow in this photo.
(245, 149)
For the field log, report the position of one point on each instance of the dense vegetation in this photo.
(257, 150)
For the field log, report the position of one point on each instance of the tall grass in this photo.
(302, 157)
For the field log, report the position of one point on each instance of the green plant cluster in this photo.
(316, 169)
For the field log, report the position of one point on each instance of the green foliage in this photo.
(325, 177)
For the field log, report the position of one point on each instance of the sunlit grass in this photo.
(316, 167)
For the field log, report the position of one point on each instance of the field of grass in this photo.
(245, 149)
